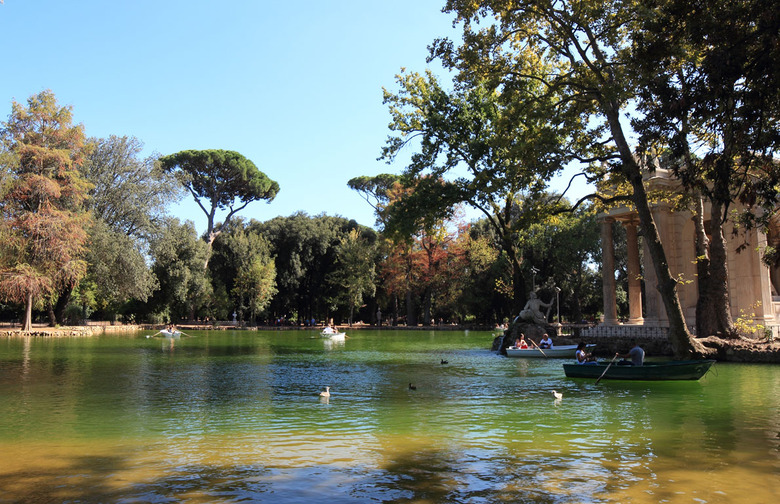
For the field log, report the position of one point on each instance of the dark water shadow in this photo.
(421, 477)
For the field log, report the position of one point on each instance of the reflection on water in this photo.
(237, 416)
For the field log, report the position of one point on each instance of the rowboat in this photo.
(335, 336)
(557, 351)
(170, 334)
(662, 370)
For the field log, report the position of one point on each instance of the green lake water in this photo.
(235, 416)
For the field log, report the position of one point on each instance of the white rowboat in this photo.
(335, 336)
(556, 351)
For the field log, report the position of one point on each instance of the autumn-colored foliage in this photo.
(42, 233)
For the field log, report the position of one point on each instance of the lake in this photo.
(235, 416)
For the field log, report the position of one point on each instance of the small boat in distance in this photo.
(332, 333)
(556, 351)
(335, 336)
(650, 371)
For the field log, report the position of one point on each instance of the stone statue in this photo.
(532, 312)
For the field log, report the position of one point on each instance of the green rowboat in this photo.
(662, 370)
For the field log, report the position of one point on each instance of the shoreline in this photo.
(739, 350)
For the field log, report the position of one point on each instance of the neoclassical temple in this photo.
(753, 286)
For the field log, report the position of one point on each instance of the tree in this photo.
(178, 264)
(376, 190)
(243, 269)
(304, 249)
(42, 233)
(565, 248)
(117, 271)
(485, 295)
(131, 195)
(128, 201)
(510, 140)
(710, 94)
(589, 45)
(355, 271)
(256, 285)
(219, 180)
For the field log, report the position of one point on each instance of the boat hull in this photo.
(334, 336)
(651, 371)
(562, 351)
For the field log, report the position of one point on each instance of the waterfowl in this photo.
(444, 361)
(412, 387)
(325, 393)
(557, 395)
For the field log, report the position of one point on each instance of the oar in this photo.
(185, 334)
(538, 348)
(605, 371)
(153, 335)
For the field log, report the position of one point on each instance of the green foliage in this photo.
(128, 201)
(224, 179)
(117, 268)
(579, 56)
(178, 265)
(566, 250)
(305, 255)
(376, 190)
(355, 271)
(130, 195)
(243, 271)
(747, 325)
(710, 92)
(509, 140)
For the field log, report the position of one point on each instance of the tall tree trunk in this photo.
(575, 306)
(52, 316)
(63, 300)
(427, 295)
(719, 275)
(519, 296)
(682, 342)
(209, 239)
(411, 309)
(395, 310)
(27, 324)
(518, 280)
(706, 324)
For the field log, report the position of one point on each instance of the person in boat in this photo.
(328, 330)
(521, 343)
(636, 356)
(582, 356)
(546, 342)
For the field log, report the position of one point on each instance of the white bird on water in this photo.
(325, 393)
(558, 396)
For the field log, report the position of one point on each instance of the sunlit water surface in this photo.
(235, 416)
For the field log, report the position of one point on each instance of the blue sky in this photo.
(294, 86)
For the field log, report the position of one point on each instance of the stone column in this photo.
(608, 272)
(634, 272)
